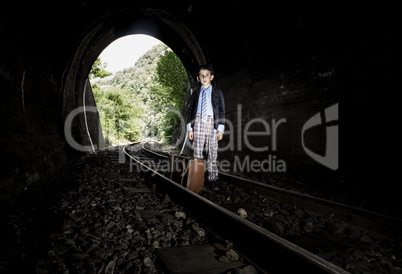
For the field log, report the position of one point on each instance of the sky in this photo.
(125, 51)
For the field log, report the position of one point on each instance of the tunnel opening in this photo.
(144, 94)
(82, 127)
(311, 61)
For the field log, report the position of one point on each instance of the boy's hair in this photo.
(207, 67)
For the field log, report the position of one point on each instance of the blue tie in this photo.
(204, 107)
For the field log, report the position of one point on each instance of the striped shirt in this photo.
(210, 111)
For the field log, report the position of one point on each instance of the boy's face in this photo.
(205, 77)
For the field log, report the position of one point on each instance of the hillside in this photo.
(137, 102)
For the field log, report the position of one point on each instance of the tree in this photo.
(98, 70)
(172, 79)
(143, 100)
(172, 75)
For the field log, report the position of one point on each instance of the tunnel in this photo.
(310, 91)
(311, 95)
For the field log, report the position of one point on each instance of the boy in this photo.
(206, 117)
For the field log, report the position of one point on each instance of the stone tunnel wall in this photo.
(308, 96)
(82, 128)
(277, 65)
(31, 127)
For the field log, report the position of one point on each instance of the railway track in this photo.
(367, 220)
(103, 218)
(267, 251)
(336, 232)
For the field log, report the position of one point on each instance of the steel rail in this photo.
(264, 249)
(371, 221)
(153, 152)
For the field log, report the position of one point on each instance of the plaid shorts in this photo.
(205, 136)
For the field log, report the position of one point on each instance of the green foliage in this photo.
(98, 70)
(171, 73)
(172, 79)
(143, 100)
(119, 119)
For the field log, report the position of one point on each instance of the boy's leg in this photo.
(212, 152)
(199, 138)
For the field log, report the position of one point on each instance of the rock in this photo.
(109, 269)
(155, 244)
(299, 213)
(33, 178)
(366, 239)
(101, 227)
(249, 269)
(267, 212)
(363, 266)
(251, 216)
(358, 254)
(79, 256)
(229, 244)
(337, 228)
(354, 233)
(242, 213)
(148, 262)
(132, 255)
(278, 229)
(180, 214)
(220, 249)
(223, 259)
(308, 227)
(69, 224)
(166, 201)
(101, 254)
(200, 231)
(156, 234)
(279, 218)
(110, 225)
(232, 255)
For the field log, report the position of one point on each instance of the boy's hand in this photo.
(220, 135)
(191, 135)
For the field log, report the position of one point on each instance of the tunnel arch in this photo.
(313, 59)
(153, 22)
